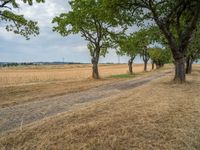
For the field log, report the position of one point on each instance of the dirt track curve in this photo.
(13, 117)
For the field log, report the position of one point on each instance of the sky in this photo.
(48, 45)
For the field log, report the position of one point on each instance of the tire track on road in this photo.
(13, 117)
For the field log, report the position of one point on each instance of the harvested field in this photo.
(24, 84)
(68, 73)
(158, 115)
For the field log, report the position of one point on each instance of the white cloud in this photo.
(80, 48)
(6, 35)
(43, 12)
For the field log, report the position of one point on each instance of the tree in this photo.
(17, 23)
(129, 46)
(89, 19)
(145, 56)
(159, 56)
(193, 53)
(144, 38)
(176, 19)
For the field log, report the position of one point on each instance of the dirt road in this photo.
(17, 116)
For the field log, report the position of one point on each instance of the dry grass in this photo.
(23, 84)
(159, 115)
(32, 75)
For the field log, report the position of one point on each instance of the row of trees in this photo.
(176, 20)
(147, 45)
(96, 21)
(103, 23)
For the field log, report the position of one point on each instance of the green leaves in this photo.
(30, 2)
(128, 46)
(194, 47)
(63, 24)
(160, 55)
(136, 42)
(90, 19)
(17, 23)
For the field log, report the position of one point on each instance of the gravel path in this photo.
(13, 117)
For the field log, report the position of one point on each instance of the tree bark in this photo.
(95, 71)
(130, 65)
(179, 70)
(157, 66)
(145, 65)
(190, 67)
(189, 63)
(153, 65)
(146, 58)
(95, 60)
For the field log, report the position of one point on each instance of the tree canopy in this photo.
(160, 56)
(15, 22)
(194, 46)
(193, 53)
(128, 45)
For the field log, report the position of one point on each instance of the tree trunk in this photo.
(153, 65)
(157, 66)
(130, 66)
(179, 70)
(145, 58)
(145, 66)
(188, 66)
(95, 71)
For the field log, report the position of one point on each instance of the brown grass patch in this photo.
(158, 115)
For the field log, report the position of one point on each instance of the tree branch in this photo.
(88, 36)
(3, 5)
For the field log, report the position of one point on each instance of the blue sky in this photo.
(48, 46)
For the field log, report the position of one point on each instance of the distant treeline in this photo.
(15, 64)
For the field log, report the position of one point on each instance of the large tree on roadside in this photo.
(176, 19)
(87, 18)
(15, 22)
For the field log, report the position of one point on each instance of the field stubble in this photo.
(33, 75)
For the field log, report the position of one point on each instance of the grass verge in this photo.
(124, 76)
